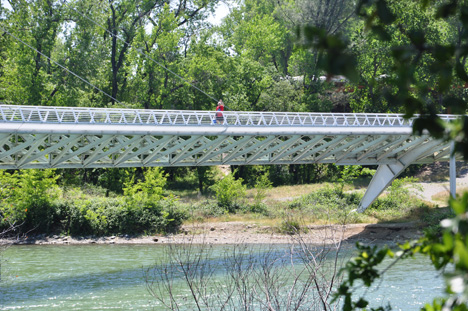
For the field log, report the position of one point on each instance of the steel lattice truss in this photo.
(24, 150)
(61, 137)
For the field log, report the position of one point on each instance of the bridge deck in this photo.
(61, 137)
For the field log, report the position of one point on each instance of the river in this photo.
(102, 277)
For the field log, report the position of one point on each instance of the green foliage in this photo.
(290, 226)
(398, 195)
(262, 184)
(348, 174)
(447, 249)
(28, 198)
(283, 95)
(107, 216)
(201, 211)
(329, 203)
(206, 177)
(432, 218)
(150, 189)
(430, 54)
(334, 58)
(362, 268)
(229, 192)
(32, 199)
(113, 179)
(423, 46)
(397, 202)
(328, 197)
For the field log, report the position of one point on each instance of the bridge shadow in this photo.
(384, 233)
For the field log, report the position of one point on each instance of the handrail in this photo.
(80, 115)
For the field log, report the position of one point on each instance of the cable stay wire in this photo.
(63, 67)
(144, 54)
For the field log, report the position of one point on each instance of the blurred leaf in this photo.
(418, 38)
(381, 32)
(464, 15)
(362, 303)
(447, 9)
(461, 73)
(455, 105)
(384, 13)
(431, 123)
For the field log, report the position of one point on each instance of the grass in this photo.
(304, 205)
(315, 204)
(443, 196)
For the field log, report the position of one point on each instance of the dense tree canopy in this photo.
(166, 55)
(149, 53)
(161, 54)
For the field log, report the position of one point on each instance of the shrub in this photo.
(290, 226)
(28, 198)
(328, 203)
(432, 218)
(149, 189)
(205, 209)
(106, 216)
(262, 184)
(229, 192)
(398, 195)
(329, 197)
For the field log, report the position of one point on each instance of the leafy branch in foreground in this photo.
(449, 249)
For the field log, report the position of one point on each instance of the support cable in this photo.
(63, 67)
(144, 54)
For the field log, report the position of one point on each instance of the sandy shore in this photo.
(237, 232)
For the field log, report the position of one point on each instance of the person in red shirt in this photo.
(219, 112)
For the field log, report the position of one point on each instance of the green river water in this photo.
(111, 277)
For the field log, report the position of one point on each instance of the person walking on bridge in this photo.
(219, 112)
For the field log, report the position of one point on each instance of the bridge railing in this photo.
(80, 115)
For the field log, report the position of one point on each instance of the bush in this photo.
(327, 197)
(150, 189)
(262, 184)
(290, 226)
(28, 199)
(330, 204)
(229, 192)
(432, 218)
(106, 216)
(398, 195)
(206, 209)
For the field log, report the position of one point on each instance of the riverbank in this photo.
(241, 229)
(237, 232)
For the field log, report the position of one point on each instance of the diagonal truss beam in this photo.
(386, 173)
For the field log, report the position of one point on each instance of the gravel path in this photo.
(434, 192)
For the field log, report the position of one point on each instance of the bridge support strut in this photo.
(386, 173)
(453, 171)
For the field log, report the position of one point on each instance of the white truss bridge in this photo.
(71, 137)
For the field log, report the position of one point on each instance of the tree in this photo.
(375, 61)
(27, 73)
(445, 67)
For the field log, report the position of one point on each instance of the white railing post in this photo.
(78, 115)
